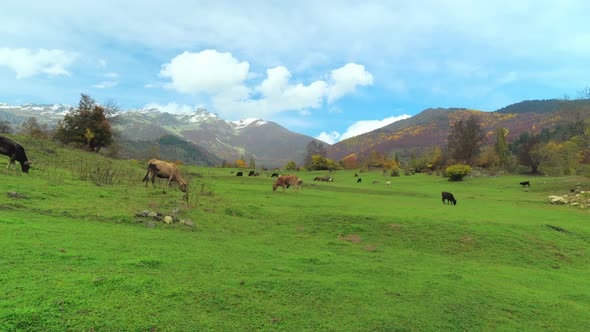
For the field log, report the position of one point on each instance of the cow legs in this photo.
(146, 178)
(11, 162)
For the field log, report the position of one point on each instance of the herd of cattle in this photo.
(165, 170)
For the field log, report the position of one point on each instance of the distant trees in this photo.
(313, 148)
(319, 162)
(86, 126)
(349, 162)
(290, 166)
(33, 128)
(523, 148)
(240, 163)
(465, 139)
(501, 147)
(5, 127)
(556, 159)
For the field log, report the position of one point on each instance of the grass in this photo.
(333, 256)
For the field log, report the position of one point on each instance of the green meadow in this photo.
(341, 256)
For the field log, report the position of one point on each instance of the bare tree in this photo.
(32, 128)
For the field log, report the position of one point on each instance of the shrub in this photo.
(395, 171)
(457, 172)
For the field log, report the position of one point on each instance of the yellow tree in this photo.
(240, 163)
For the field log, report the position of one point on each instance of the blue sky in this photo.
(328, 69)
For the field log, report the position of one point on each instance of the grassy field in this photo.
(340, 256)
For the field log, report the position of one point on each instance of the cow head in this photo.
(25, 166)
(183, 187)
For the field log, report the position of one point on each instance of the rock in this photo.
(557, 200)
(151, 214)
(15, 195)
(575, 204)
(168, 219)
(188, 223)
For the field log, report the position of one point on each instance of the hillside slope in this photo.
(431, 128)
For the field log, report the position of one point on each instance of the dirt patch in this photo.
(371, 248)
(466, 239)
(396, 227)
(352, 238)
(300, 229)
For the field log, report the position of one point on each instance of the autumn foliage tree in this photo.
(86, 126)
(240, 163)
(349, 162)
(313, 148)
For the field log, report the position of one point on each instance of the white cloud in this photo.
(224, 78)
(172, 108)
(111, 75)
(330, 138)
(207, 71)
(27, 63)
(105, 84)
(344, 80)
(276, 95)
(366, 126)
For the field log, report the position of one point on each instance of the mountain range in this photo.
(213, 139)
(203, 138)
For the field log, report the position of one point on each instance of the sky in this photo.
(327, 69)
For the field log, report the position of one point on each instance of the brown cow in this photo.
(287, 181)
(164, 170)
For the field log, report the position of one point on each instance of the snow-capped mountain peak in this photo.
(243, 123)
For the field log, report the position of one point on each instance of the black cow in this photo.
(449, 198)
(239, 174)
(251, 173)
(359, 180)
(525, 183)
(274, 175)
(16, 152)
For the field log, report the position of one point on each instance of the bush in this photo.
(395, 171)
(457, 172)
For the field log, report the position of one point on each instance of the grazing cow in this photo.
(274, 175)
(525, 183)
(359, 180)
(388, 183)
(164, 170)
(324, 178)
(356, 175)
(251, 173)
(239, 174)
(448, 197)
(16, 152)
(286, 181)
